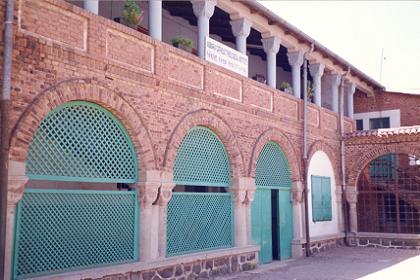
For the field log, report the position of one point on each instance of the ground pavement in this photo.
(343, 263)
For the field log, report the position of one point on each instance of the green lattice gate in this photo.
(273, 186)
(60, 230)
(200, 221)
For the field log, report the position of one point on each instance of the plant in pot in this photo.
(286, 87)
(182, 43)
(310, 91)
(132, 14)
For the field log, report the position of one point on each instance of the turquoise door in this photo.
(261, 224)
(285, 223)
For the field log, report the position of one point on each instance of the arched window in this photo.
(389, 195)
(271, 209)
(200, 211)
(61, 226)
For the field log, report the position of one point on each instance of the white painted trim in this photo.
(394, 117)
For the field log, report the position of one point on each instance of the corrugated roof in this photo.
(385, 132)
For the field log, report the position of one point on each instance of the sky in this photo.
(359, 30)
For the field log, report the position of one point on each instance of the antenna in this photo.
(382, 60)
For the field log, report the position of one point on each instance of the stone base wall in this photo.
(383, 242)
(323, 245)
(200, 269)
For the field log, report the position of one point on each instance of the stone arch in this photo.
(87, 90)
(333, 155)
(371, 152)
(283, 141)
(206, 118)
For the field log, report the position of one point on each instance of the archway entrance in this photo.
(389, 195)
(272, 208)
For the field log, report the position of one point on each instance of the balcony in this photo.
(95, 45)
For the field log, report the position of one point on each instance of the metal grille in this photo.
(202, 160)
(199, 222)
(81, 141)
(389, 195)
(272, 167)
(57, 231)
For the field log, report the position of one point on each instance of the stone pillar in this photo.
(155, 19)
(334, 85)
(317, 70)
(351, 196)
(295, 60)
(203, 10)
(339, 200)
(250, 195)
(16, 185)
(271, 47)
(92, 6)
(349, 89)
(239, 191)
(241, 29)
(165, 194)
(298, 219)
(148, 191)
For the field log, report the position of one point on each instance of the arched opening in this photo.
(389, 195)
(200, 210)
(272, 208)
(77, 210)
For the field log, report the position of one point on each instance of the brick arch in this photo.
(333, 155)
(215, 123)
(371, 152)
(283, 141)
(87, 90)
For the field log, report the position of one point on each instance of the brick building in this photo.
(132, 159)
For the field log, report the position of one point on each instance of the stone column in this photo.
(334, 84)
(271, 47)
(351, 196)
(203, 10)
(317, 70)
(16, 185)
(155, 19)
(165, 194)
(250, 195)
(295, 60)
(92, 6)
(339, 200)
(349, 89)
(298, 219)
(241, 29)
(239, 189)
(149, 215)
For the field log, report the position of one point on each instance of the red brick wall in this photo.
(157, 92)
(408, 104)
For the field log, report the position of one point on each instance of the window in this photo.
(377, 123)
(321, 198)
(359, 124)
(383, 167)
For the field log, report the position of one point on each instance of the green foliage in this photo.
(285, 86)
(185, 42)
(132, 14)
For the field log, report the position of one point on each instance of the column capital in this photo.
(349, 87)
(271, 44)
(203, 8)
(334, 79)
(241, 27)
(148, 193)
(297, 192)
(295, 58)
(316, 69)
(351, 195)
(240, 188)
(16, 186)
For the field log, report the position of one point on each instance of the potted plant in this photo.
(310, 91)
(286, 87)
(182, 43)
(132, 14)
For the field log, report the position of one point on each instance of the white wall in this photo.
(393, 115)
(320, 165)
